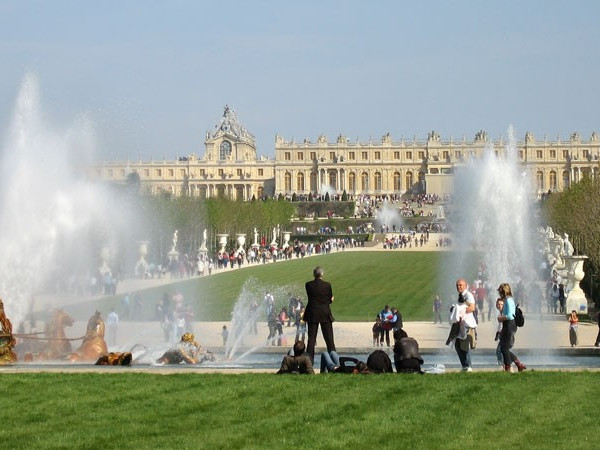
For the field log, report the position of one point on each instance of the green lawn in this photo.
(534, 410)
(363, 282)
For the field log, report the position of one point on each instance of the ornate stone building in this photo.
(230, 166)
(389, 166)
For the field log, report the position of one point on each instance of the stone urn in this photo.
(222, 242)
(576, 297)
(286, 239)
(240, 238)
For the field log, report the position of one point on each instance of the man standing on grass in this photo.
(318, 312)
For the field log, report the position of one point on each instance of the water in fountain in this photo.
(326, 189)
(494, 219)
(244, 316)
(389, 215)
(47, 211)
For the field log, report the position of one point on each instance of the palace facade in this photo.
(230, 165)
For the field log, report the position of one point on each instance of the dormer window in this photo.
(225, 150)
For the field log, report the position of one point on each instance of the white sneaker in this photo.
(467, 369)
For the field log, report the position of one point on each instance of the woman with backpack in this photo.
(509, 328)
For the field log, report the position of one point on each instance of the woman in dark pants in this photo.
(509, 328)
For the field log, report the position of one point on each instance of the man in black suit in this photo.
(318, 312)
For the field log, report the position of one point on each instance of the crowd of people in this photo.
(408, 206)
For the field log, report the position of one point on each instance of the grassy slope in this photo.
(137, 410)
(363, 282)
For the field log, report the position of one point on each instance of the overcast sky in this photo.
(154, 76)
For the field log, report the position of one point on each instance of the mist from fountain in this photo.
(389, 215)
(250, 308)
(48, 213)
(327, 189)
(494, 217)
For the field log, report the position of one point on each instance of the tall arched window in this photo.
(332, 177)
(566, 179)
(288, 182)
(224, 150)
(552, 180)
(352, 182)
(300, 182)
(364, 180)
(585, 172)
(397, 181)
(377, 181)
(539, 177)
(313, 181)
(409, 180)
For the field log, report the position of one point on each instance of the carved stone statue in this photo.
(174, 241)
(568, 247)
(93, 345)
(529, 137)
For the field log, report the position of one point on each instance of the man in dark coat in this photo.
(318, 312)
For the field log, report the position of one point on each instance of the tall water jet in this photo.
(52, 222)
(494, 218)
(248, 310)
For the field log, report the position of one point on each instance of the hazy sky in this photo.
(154, 76)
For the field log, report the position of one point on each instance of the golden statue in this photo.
(188, 351)
(55, 345)
(93, 345)
(7, 340)
(115, 359)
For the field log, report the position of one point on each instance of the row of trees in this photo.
(191, 216)
(576, 211)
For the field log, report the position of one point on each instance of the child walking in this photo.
(499, 357)
(377, 330)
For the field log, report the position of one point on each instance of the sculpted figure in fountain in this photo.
(58, 346)
(7, 340)
(93, 345)
(186, 351)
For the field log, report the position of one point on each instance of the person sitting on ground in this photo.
(406, 353)
(298, 362)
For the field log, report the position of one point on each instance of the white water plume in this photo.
(48, 212)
